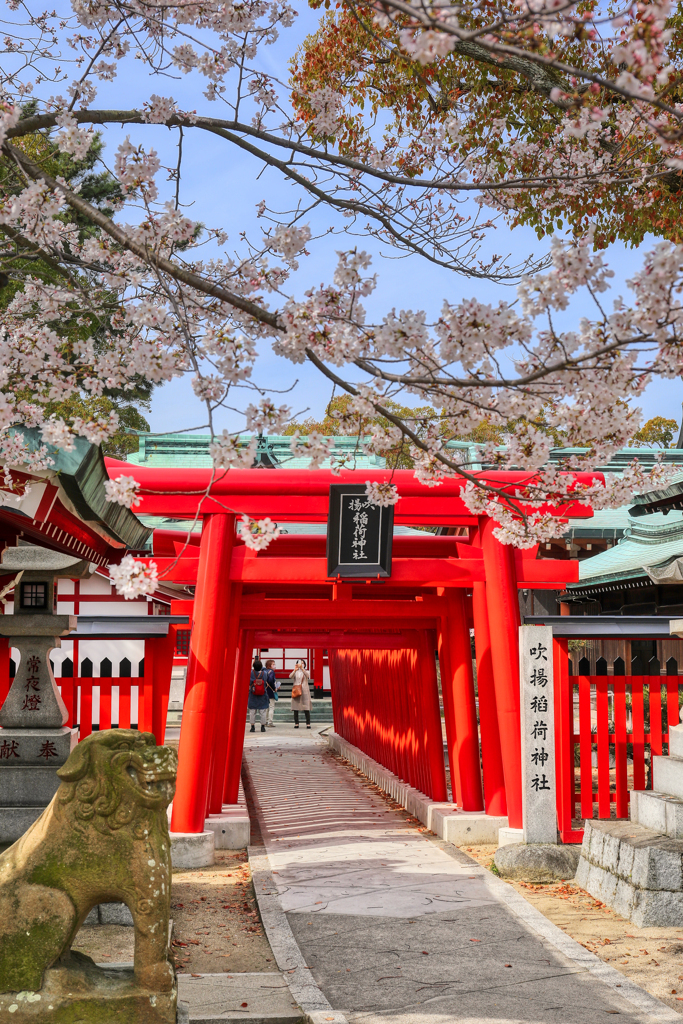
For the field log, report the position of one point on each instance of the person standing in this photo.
(272, 687)
(301, 694)
(258, 695)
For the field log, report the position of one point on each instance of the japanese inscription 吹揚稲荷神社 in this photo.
(538, 734)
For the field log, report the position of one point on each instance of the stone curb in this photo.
(446, 820)
(288, 956)
(583, 959)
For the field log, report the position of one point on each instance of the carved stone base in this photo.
(81, 991)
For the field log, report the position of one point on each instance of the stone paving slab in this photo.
(381, 943)
(214, 997)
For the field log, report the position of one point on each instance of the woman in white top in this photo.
(301, 694)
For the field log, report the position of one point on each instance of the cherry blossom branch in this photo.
(226, 129)
(120, 236)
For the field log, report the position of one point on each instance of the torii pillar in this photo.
(205, 667)
(502, 603)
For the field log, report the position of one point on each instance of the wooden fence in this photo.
(608, 727)
(116, 697)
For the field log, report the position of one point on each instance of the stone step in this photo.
(27, 785)
(213, 997)
(676, 740)
(634, 870)
(222, 997)
(285, 714)
(667, 775)
(659, 812)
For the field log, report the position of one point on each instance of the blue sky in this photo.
(220, 184)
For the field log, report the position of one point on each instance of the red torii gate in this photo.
(282, 595)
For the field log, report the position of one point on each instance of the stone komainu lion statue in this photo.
(104, 838)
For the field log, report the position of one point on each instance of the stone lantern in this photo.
(34, 737)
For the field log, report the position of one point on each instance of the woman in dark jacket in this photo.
(258, 695)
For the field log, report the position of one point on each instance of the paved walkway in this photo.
(400, 928)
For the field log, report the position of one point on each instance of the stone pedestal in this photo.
(636, 866)
(34, 741)
(79, 990)
(28, 777)
(191, 850)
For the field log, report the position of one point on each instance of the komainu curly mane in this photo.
(104, 838)
(97, 780)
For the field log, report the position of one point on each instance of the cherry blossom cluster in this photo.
(315, 447)
(133, 578)
(267, 416)
(325, 103)
(382, 494)
(258, 533)
(123, 491)
(228, 450)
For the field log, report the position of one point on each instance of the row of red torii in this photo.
(380, 634)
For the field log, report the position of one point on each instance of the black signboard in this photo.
(359, 534)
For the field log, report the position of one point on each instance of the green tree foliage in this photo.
(420, 418)
(501, 120)
(335, 422)
(658, 432)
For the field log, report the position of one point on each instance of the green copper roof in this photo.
(192, 450)
(82, 475)
(650, 542)
(670, 493)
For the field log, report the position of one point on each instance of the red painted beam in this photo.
(248, 567)
(171, 543)
(307, 482)
(540, 573)
(386, 613)
(284, 508)
(427, 510)
(291, 494)
(429, 572)
(545, 573)
(334, 639)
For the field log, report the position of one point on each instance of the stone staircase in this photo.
(661, 808)
(321, 711)
(636, 866)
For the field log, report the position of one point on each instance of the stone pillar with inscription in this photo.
(34, 737)
(537, 856)
(537, 717)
